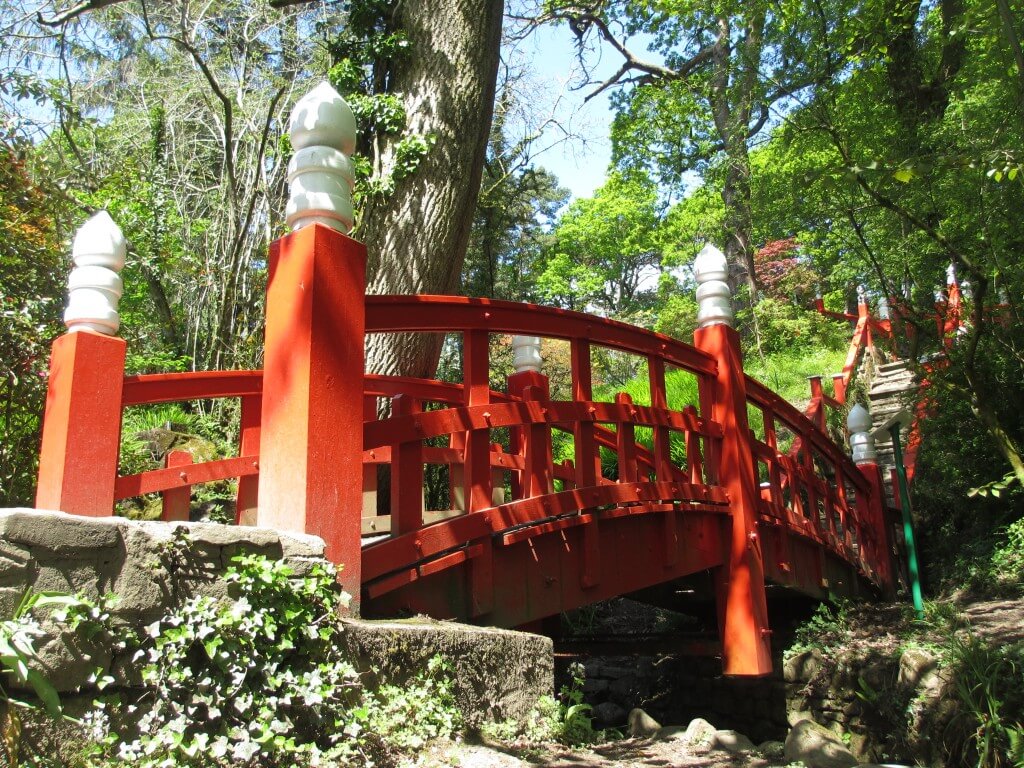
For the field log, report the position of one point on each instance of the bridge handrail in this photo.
(429, 313)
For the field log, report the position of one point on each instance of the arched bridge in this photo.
(550, 496)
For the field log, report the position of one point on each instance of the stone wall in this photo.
(148, 566)
(151, 567)
(889, 706)
(676, 689)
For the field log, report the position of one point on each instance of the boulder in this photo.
(641, 724)
(700, 733)
(733, 742)
(817, 747)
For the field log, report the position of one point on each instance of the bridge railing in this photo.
(545, 496)
(312, 445)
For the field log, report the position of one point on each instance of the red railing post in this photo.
(247, 497)
(858, 424)
(82, 423)
(311, 439)
(177, 502)
(746, 647)
(527, 361)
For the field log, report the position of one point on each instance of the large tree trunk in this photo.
(417, 237)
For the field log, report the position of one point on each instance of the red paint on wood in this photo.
(177, 502)
(312, 418)
(247, 498)
(745, 631)
(82, 425)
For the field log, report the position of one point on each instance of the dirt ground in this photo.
(667, 753)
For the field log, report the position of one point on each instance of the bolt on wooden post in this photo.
(311, 439)
(743, 611)
(82, 421)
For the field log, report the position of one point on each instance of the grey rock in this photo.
(641, 724)
(802, 666)
(700, 733)
(733, 742)
(915, 664)
(301, 545)
(59, 532)
(817, 747)
(498, 674)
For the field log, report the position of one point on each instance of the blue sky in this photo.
(581, 162)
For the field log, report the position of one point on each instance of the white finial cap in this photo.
(862, 295)
(862, 444)
(99, 243)
(321, 176)
(526, 353)
(323, 118)
(714, 299)
(951, 274)
(94, 287)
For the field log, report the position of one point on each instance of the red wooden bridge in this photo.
(738, 484)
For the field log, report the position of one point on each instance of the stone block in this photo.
(817, 747)
(639, 723)
(301, 545)
(801, 667)
(498, 674)
(733, 742)
(915, 665)
(59, 532)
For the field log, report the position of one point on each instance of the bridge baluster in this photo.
(528, 374)
(406, 473)
(538, 477)
(588, 458)
(247, 496)
(478, 475)
(625, 444)
(663, 457)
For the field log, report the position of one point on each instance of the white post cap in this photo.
(714, 299)
(526, 353)
(321, 178)
(862, 444)
(951, 274)
(94, 286)
(862, 294)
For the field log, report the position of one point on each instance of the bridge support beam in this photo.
(311, 440)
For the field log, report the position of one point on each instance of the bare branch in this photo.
(74, 12)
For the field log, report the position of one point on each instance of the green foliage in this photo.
(31, 289)
(408, 716)
(260, 681)
(20, 662)
(565, 719)
(787, 328)
(826, 629)
(989, 683)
